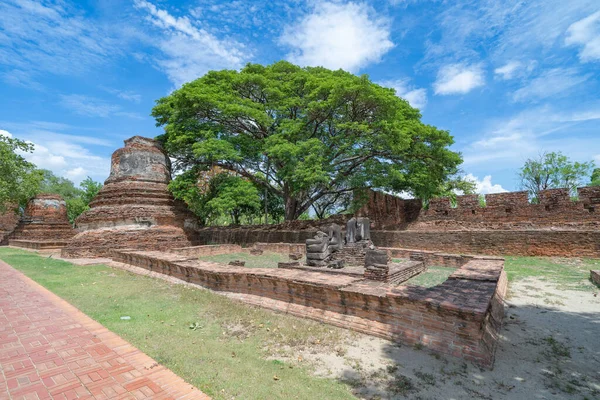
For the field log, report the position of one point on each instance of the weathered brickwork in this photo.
(460, 317)
(134, 209)
(497, 242)
(45, 221)
(208, 250)
(508, 211)
(8, 222)
(507, 225)
(595, 277)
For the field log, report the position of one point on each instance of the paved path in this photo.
(51, 350)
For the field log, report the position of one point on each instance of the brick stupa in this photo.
(44, 223)
(134, 209)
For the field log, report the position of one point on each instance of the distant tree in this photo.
(19, 179)
(223, 195)
(90, 189)
(304, 133)
(58, 185)
(233, 196)
(595, 181)
(552, 171)
(77, 198)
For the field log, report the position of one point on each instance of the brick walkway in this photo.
(50, 350)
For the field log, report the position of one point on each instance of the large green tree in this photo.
(19, 179)
(304, 133)
(552, 171)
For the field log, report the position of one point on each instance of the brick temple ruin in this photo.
(44, 224)
(349, 271)
(460, 317)
(134, 209)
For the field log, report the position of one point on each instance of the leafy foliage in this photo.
(225, 195)
(19, 179)
(77, 198)
(233, 196)
(595, 181)
(304, 134)
(552, 171)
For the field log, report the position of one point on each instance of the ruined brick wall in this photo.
(502, 211)
(460, 317)
(595, 277)
(559, 243)
(8, 222)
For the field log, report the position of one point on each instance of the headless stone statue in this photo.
(317, 249)
(363, 229)
(335, 238)
(351, 231)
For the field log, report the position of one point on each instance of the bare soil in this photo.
(549, 349)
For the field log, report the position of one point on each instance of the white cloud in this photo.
(586, 33)
(61, 154)
(335, 35)
(124, 94)
(5, 133)
(550, 83)
(485, 186)
(92, 107)
(417, 97)
(458, 79)
(510, 28)
(188, 50)
(76, 174)
(52, 37)
(507, 143)
(509, 70)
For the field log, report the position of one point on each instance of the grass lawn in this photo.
(565, 273)
(433, 276)
(232, 352)
(265, 260)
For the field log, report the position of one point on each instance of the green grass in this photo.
(266, 260)
(433, 276)
(565, 273)
(233, 350)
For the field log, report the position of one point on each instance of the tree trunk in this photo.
(291, 209)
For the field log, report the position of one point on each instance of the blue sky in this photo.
(509, 79)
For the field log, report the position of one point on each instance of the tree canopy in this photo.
(19, 179)
(552, 171)
(304, 134)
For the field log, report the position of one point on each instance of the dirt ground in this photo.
(549, 349)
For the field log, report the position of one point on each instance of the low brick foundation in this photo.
(38, 244)
(595, 277)
(461, 317)
(207, 250)
(283, 248)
